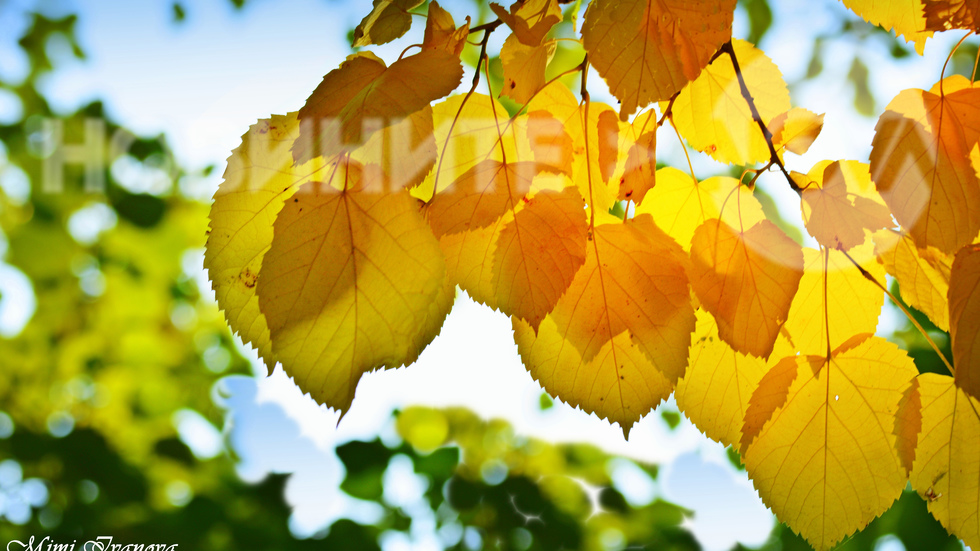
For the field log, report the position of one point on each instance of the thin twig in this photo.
(773, 155)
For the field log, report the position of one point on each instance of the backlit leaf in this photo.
(388, 20)
(715, 390)
(922, 274)
(942, 15)
(946, 471)
(363, 95)
(826, 461)
(538, 254)
(524, 67)
(529, 19)
(648, 50)
(964, 318)
(747, 280)
(619, 383)
(714, 117)
(679, 203)
(405, 151)
(795, 130)
(905, 17)
(480, 196)
(633, 281)
(259, 179)
(640, 170)
(834, 213)
(441, 32)
(354, 281)
(833, 292)
(920, 161)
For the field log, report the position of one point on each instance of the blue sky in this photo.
(205, 81)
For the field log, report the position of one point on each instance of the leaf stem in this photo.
(905, 311)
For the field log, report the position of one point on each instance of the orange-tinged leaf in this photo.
(353, 281)
(466, 135)
(619, 383)
(388, 20)
(715, 390)
(905, 17)
(942, 15)
(747, 280)
(259, 179)
(826, 461)
(524, 67)
(714, 117)
(550, 143)
(480, 196)
(640, 170)
(922, 274)
(964, 318)
(679, 203)
(469, 259)
(529, 19)
(835, 215)
(920, 162)
(362, 96)
(833, 292)
(771, 393)
(647, 50)
(795, 130)
(946, 472)
(633, 281)
(608, 143)
(908, 425)
(538, 254)
(441, 32)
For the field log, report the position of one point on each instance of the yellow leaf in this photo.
(679, 203)
(920, 162)
(903, 16)
(529, 19)
(795, 130)
(619, 383)
(260, 177)
(834, 213)
(825, 461)
(922, 274)
(538, 254)
(633, 281)
(354, 281)
(834, 288)
(946, 471)
(647, 50)
(524, 67)
(469, 259)
(595, 144)
(964, 318)
(441, 32)
(405, 151)
(747, 280)
(714, 117)
(388, 20)
(362, 96)
(942, 15)
(715, 390)
(480, 196)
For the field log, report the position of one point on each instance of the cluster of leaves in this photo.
(342, 230)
